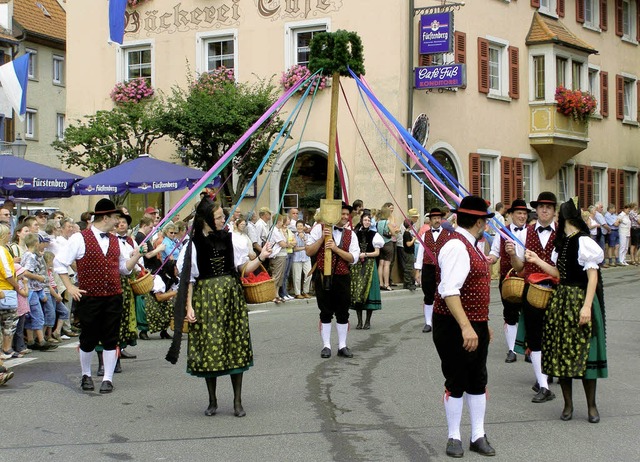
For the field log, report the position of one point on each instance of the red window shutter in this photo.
(604, 20)
(514, 73)
(460, 47)
(474, 173)
(580, 11)
(518, 172)
(604, 94)
(535, 3)
(580, 184)
(560, 8)
(620, 199)
(506, 164)
(613, 177)
(483, 65)
(589, 185)
(619, 18)
(619, 97)
(425, 60)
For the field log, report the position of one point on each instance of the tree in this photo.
(212, 114)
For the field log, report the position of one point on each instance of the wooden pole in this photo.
(331, 155)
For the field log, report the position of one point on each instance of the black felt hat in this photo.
(475, 206)
(545, 197)
(519, 204)
(106, 207)
(436, 212)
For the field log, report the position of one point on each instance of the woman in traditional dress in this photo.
(158, 303)
(387, 229)
(573, 340)
(219, 338)
(365, 286)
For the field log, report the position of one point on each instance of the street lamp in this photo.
(19, 147)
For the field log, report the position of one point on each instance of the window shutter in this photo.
(514, 73)
(581, 185)
(580, 11)
(619, 97)
(535, 3)
(604, 94)
(604, 22)
(460, 47)
(618, 18)
(474, 173)
(589, 183)
(620, 198)
(518, 175)
(483, 65)
(612, 186)
(560, 8)
(425, 60)
(506, 164)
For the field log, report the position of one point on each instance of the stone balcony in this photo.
(556, 137)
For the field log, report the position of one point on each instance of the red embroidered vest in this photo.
(434, 245)
(533, 243)
(99, 274)
(474, 293)
(340, 266)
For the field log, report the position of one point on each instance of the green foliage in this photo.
(336, 52)
(206, 120)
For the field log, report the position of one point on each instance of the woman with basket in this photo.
(213, 302)
(573, 340)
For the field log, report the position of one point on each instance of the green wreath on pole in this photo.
(336, 52)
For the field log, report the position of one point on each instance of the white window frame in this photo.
(548, 7)
(202, 43)
(599, 192)
(291, 30)
(58, 69)
(630, 185)
(550, 53)
(629, 13)
(592, 23)
(593, 77)
(31, 124)
(630, 98)
(565, 178)
(530, 161)
(60, 125)
(122, 66)
(491, 156)
(501, 46)
(33, 63)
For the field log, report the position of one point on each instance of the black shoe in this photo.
(100, 372)
(566, 415)
(454, 448)
(511, 357)
(211, 410)
(346, 352)
(106, 387)
(87, 383)
(425, 329)
(543, 396)
(118, 368)
(143, 335)
(325, 353)
(527, 358)
(359, 326)
(482, 447)
(536, 387)
(366, 326)
(124, 354)
(165, 334)
(594, 418)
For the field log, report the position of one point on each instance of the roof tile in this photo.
(30, 15)
(548, 30)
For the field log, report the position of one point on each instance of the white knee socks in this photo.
(510, 333)
(536, 361)
(342, 335)
(428, 314)
(477, 407)
(325, 332)
(453, 409)
(109, 357)
(85, 362)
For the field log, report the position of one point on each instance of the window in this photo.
(591, 13)
(549, 7)
(33, 63)
(561, 71)
(485, 178)
(527, 178)
(30, 123)
(482, 174)
(629, 97)
(137, 63)
(576, 75)
(60, 126)
(220, 52)
(498, 68)
(598, 185)
(298, 38)
(594, 84)
(565, 183)
(626, 98)
(495, 64)
(58, 69)
(630, 179)
(539, 76)
(626, 19)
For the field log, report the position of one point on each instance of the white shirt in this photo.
(76, 249)
(544, 240)
(437, 232)
(262, 229)
(495, 245)
(455, 263)
(241, 247)
(624, 227)
(590, 255)
(354, 248)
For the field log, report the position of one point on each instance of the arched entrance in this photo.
(448, 161)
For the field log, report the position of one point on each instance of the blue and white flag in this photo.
(14, 77)
(117, 9)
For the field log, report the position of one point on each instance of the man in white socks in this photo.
(460, 325)
(334, 295)
(99, 261)
(434, 238)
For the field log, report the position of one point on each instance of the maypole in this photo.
(335, 53)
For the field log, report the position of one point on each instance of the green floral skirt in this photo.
(158, 313)
(219, 341)
(128, 331)
(365, 286)
(568, 349)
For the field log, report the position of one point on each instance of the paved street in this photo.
(384, 404)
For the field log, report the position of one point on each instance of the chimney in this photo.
(6, 15)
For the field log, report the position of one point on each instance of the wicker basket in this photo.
(260, 292)
(142, 285)
(538, 296)
(512, 288)
(185, 326)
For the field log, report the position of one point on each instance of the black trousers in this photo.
(333, 302)
(533, 323)
(428, 283)
(464, 371)
(510, 310)
(100, 321)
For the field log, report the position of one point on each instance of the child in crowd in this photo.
(22, 312)
(54, 302)
(301, 263)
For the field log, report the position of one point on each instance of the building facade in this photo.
(500, 134)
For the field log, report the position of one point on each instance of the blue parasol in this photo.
(23, 178)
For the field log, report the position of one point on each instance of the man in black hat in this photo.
(538, 238)
(334, 298)
(434, 238)
(460, 325)
(99, 262)
(511, 311)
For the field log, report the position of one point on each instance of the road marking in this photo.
(17, 361)
(69, 345)
(258, 311)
